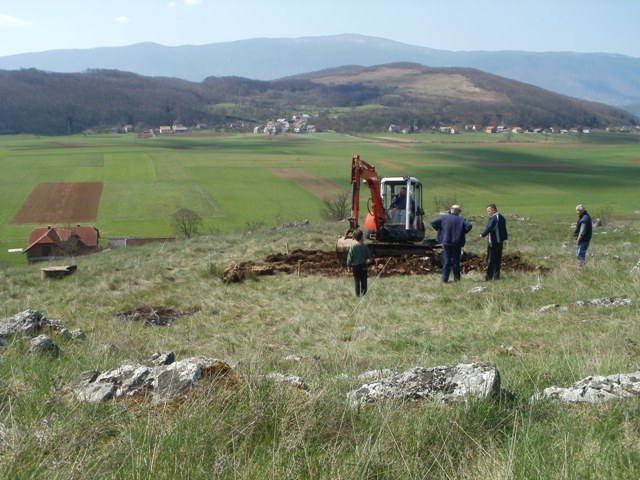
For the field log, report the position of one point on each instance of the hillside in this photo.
(343, 99)
(600, 77)
(293, 347)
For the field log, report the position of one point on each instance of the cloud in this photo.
(9, 21)
(192, 2)
(123, 19)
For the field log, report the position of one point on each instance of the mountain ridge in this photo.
(613, 79)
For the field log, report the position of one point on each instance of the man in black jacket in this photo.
(496, 231)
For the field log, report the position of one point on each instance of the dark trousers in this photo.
(360, 278)
(494, 259)
(451, 261)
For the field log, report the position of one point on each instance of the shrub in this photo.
(186, 223)
(337, 208)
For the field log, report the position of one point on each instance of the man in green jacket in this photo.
(357, 259)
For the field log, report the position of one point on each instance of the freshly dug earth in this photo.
(310, 262)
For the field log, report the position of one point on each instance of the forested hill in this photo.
(600, 77)
(344, 99)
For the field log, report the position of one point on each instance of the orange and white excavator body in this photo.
(393, 224)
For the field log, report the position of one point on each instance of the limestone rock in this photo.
(43, 344)
(160, 358)
(289, 379)
(604, 302)
(77, 334)
(293, 358)
(23, 323)
(31, 322)
(442, 384)
(177, 378)
(596, 389)
(596, 302)
(129, 380)
(164, 381)
(552, 306)
(478, 289)
(95, 392)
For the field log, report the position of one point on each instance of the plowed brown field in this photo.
(59, 203)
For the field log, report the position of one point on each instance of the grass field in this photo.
(260, 429)
(232, 180)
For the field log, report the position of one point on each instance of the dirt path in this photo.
(320, 187)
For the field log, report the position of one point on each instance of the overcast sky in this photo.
(609, 26)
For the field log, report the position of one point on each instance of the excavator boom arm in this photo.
(363, 172)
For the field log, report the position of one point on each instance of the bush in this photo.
(337, 208)
(186, 223)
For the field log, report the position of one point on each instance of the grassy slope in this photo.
(259, 427)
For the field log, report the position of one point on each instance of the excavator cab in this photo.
(402, 203)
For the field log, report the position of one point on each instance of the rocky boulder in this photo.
(441, 384)
(31, 322)
(162, 381)
(23, 323)
(43, 344)
(596, 389)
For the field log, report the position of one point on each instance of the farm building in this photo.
(51, 243)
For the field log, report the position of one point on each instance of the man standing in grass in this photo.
(357, 257)
(496, 230)
(582, 234)
(452, 230)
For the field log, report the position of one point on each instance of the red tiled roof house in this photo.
(57, 242)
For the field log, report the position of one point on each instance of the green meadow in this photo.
(230, 180)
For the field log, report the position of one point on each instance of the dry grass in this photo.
(256, 427)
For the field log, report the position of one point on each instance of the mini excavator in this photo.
(393, 225)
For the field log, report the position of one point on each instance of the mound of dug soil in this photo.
(318, 262)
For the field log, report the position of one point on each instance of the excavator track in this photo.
(384, 250)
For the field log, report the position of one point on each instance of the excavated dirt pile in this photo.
(310, 262)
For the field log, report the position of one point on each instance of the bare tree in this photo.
(186, 223)
(336, 208)
(70, 246)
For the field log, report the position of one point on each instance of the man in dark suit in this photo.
(496, 231)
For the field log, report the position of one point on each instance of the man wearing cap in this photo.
(496, 231)
(582, 234)
(452, 230)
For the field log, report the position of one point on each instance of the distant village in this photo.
(300, 123)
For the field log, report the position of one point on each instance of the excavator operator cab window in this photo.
(400, 200)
